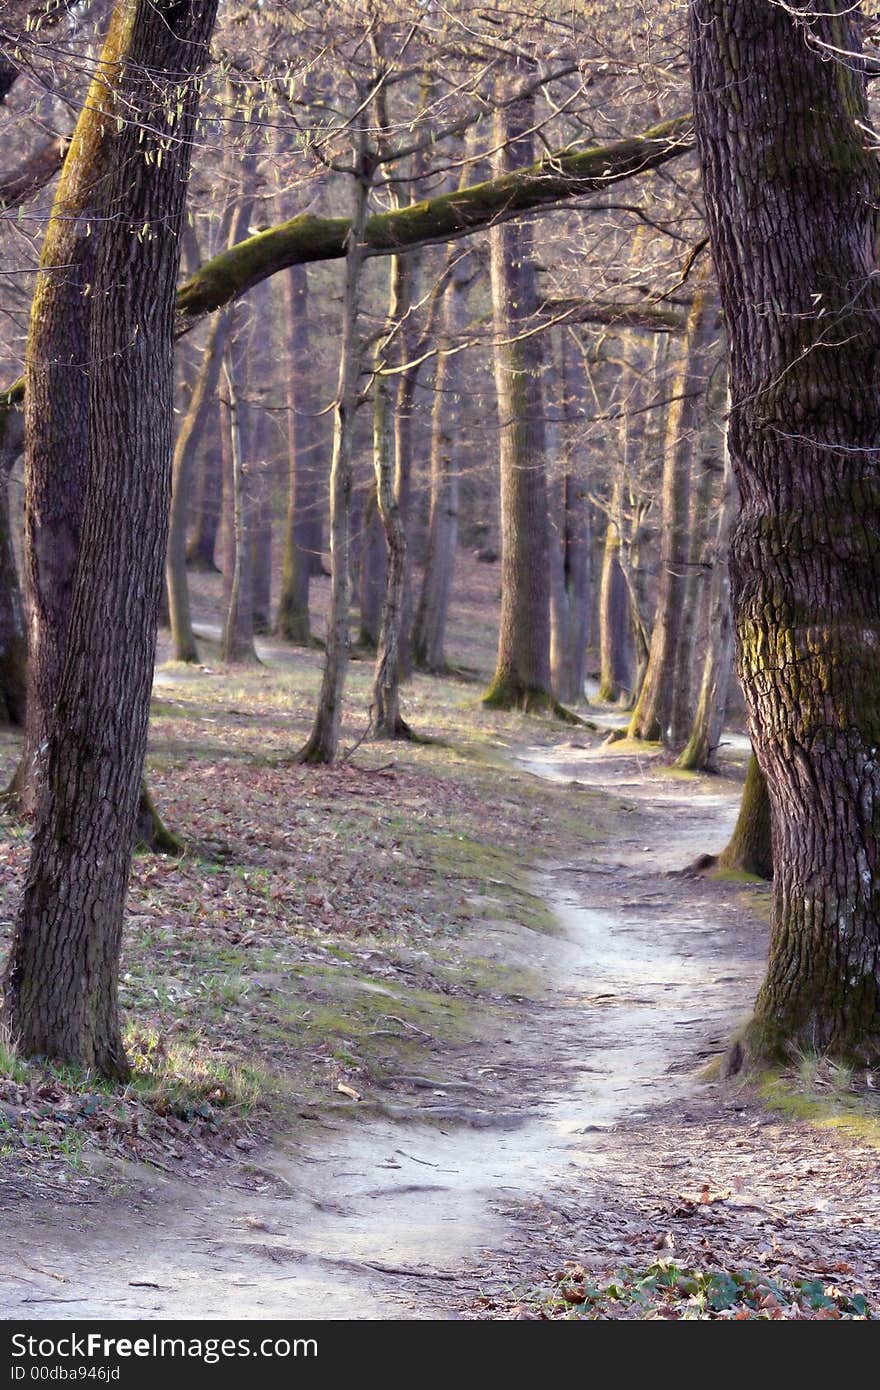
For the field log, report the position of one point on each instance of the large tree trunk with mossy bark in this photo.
(60, 987)
(56, 408)
(653, 715)
(322, 746)
(792, 188)
(56, 425)
(522, 669)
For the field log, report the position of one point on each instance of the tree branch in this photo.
(553, 180)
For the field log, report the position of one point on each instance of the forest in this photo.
(439, 632)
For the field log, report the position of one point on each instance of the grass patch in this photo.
(826, 1096)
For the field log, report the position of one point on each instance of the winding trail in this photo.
(408, 1218)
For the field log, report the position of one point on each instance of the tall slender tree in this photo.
(522, 670)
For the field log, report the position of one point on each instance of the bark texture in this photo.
(792, 189)
(56, 405)
(61, 978)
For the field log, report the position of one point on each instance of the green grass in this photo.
(826, 1096)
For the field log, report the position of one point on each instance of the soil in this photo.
(585, 1132)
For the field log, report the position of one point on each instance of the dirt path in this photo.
(584, 1133)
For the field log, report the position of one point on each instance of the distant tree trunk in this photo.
(792, 187)
(13, 641)
(404, 420)
(237, 643)
(260, 369)
(750, 849)
(387, 721)
(700, 752)
(522, 672)
(183, 641)
(615, 639)
(652, 716)
(203, 539)
(60, 997)
(373, 563)
(302, 535)
(392, 460)
(323, 742)
(682, 693)
(429, 631)
(261, 552)
(570, 569)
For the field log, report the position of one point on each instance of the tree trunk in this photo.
(615, 637)
(61, 978)
(203, 539)
(374, 560)
(429, 630)
(700, 752)
(387, 442)
(522, 671)
(323, 742)
(652, 716)
(750, 850)
(13, 639)
(56, 407)
(302, 536)
(387, 721)
(237, 643)
(261, 551)
(183, 642)
(792, 188)
(571, 548)
(683, 681)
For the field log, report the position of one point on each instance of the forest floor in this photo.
(426, 1035)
